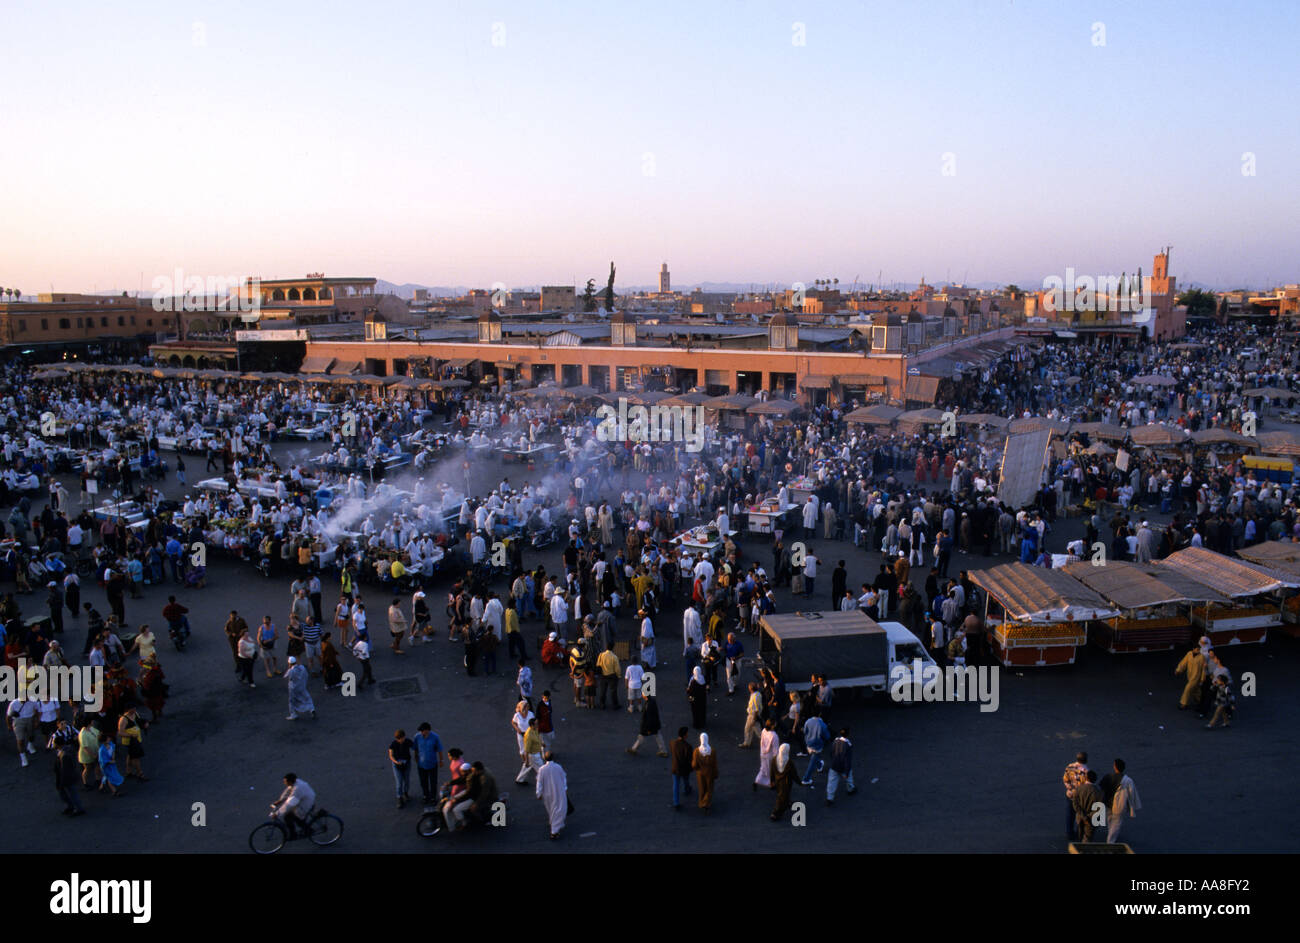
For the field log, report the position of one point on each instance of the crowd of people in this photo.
(644, 531)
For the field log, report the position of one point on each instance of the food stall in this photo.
(1153, 614)
(1251, 608)
(766, 517)
(1035, 616)
(1283, 556)
(801, 489)
(704, 539)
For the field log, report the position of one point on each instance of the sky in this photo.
(529, 143)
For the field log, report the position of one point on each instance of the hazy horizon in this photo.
(967, 142)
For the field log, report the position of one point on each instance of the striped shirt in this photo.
(311, 633)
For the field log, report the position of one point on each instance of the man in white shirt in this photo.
(692, 635)
(559, 613)
(809, 572)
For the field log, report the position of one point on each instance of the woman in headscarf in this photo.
(300, 701)
(768, 742)
(782, 781)
(705, 763)
(697, 692)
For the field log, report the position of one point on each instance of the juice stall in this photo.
(1036, 616)
(1153, 614)
(1282, 556)
(1252, 606)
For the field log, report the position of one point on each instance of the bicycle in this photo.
(321, 827)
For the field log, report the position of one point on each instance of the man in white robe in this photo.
(553, 790)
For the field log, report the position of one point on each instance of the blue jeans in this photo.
(833, 783)
(402, 776)
(811, 582)
(814, 760)
(680, 785)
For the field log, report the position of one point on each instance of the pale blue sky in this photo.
(397, 140)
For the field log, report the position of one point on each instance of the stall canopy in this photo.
(859, 379)
(1037, 594)
(1158, 435)
(1101, 430)
(815, 381)
(1283, 556)
(1123, 584)
(317, 365)
(877, 415)
(345, 368)
(1232, 577)
(1279, 442)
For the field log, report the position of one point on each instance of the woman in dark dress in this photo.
(331, 670)
(697, 693)
(782, 781)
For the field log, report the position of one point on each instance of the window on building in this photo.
(121, 321)
(149, 323)
(22, 326)
(81, 322)
(65, 323)
(133, 320)
(45, 324)
(103, 322)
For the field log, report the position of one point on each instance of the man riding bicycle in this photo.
(295, 804)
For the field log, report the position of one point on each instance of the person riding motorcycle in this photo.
(474, 802)
(294, 804)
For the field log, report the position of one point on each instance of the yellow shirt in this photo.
(608, 663)
(397, 571)
(512, 621)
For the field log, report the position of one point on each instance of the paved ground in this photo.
(932, 777)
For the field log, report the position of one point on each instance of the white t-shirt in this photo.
(633, 675)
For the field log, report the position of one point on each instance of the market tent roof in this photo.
(317, 364)
(1038, 594)
(735, 401)
(1157, 435)
(1100, 448)
(1128, 587)
(1181, 583)
(1279, 442)
(879, 414)
(641, 398)
(922, 416)
(1275, 554)
(922, 389)
(1272, 392)
(692, 398)
(369, 379)
(983, 419)
(345, 368)
(1230, 576)
(859, 379)
(775, 407)
(1221, 436)
(816, 381)
(460, 362)
(1153, 379)
(1101, 430)
(450, 384)
(1038, 424)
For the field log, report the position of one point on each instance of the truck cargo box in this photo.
(840, 645)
